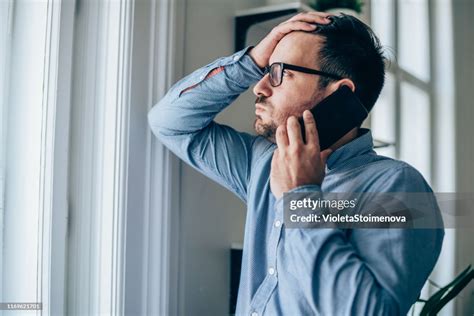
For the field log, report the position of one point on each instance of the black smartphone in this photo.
(336, 115)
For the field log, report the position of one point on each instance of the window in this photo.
(33, 223)
(86, 194)
(5, 13)
(403, 114)
(416, 108)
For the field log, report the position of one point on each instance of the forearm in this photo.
(183, 121)
(193, 102)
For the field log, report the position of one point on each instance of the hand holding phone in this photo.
(335, 116)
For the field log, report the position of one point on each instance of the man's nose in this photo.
(263, 87)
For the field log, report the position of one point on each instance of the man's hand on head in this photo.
(294, 162)
(304, 21)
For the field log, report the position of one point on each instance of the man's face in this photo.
(298, 91)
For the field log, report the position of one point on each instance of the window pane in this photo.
(23, 111)
(382, 24)
(413, 37)
(4, 14)
(383, 117)
(4, 25)
(415, 128)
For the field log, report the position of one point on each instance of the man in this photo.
(327, 271)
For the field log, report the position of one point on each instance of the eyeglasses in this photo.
(275, 72)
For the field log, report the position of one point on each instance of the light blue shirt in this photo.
(307, 271)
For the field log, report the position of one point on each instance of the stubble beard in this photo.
(266, 130)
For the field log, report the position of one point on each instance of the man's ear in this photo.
(333, 86)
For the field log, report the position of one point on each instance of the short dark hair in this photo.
(350, 49)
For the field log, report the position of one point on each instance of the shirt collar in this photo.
(362, 144)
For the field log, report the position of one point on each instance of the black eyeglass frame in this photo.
(299, 69)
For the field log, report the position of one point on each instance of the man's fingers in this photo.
(311, 17)
(310, 128)
(285, 28)
(294, 131)
(301, 22)
(281, 137)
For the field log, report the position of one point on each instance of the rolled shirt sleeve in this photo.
(183, 120)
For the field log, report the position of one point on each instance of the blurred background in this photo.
(98, 218)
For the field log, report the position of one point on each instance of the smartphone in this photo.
(335, 116)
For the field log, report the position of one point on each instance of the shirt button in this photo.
(235, 59)
(202, 77)
(271, 271)
(277, 223)
(254, 314)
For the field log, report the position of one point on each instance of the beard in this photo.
(267, 130)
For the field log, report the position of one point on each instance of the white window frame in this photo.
(441, 120)
(6, 11)
(52, 207)
(86, 259)
(162, 286)
(124, 185)
(440, 90)
(99, 157)
(56, 183)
